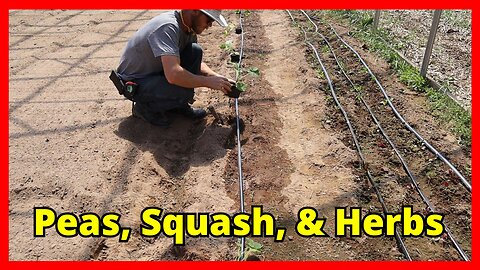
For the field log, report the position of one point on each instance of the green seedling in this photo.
(228, 29)
(320, 73)
(359, 89)
(342, 65)
(365, 70)
(236, 66)
(328, 99)
(254, 71)
(240, 84)
(325, 49)
(251, 248)
(227, 46)
(245, 12)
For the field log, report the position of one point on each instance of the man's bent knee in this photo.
(191, 58)
(197, 50)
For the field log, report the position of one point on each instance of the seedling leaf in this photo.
(227, 46)
(254, 71)
(254, 246)
(241, 86)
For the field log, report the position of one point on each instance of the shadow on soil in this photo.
(176, 148)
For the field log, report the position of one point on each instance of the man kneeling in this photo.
(164, 60)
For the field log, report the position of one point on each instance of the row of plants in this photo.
(240, 75)
(441, 105)
(252, 249)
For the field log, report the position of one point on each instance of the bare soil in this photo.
(75, 147)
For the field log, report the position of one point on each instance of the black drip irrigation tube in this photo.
(460, 251)
(239, 146)
(398, 238)
(464, 182)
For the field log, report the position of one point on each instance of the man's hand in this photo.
(220, 83)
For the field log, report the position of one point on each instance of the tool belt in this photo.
(126, 89)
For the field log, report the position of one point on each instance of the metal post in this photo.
(376, 19)
(431, 39)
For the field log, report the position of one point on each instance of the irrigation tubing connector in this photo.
(239, 146)
(398, 238)
(464, 182)
(462, 254)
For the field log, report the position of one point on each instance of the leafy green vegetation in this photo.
(448, 111)
(240, 84)
(227, 46)
(251, 248)
(412, 78)
(246, 12)
(254, 71)
(228, 29)
(441, 105)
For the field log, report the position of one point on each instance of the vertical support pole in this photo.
(431, 39)
(376, 20)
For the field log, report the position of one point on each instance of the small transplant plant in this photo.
(240, 84)
(227, 46)
(251, 248)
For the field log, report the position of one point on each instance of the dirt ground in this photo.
(75, 147)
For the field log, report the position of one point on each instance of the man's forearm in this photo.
(184, 78)
(207, 71)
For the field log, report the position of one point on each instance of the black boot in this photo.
(156, 119)
(190, 112)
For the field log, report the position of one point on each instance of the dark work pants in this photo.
(155, 94)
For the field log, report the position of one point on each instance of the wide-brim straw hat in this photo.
(216, 15)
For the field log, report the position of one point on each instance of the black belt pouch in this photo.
(127, 89)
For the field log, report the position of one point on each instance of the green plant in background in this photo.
(320, 73)
(228, 29)
(254, 71)
(412, 78)
(227, 46)
(246, 12)
(448, 111)
(441, 105)
(367, 21)
(251, 248)
(358, 96)
(364, 70)
(325, 48)
(359, 89)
